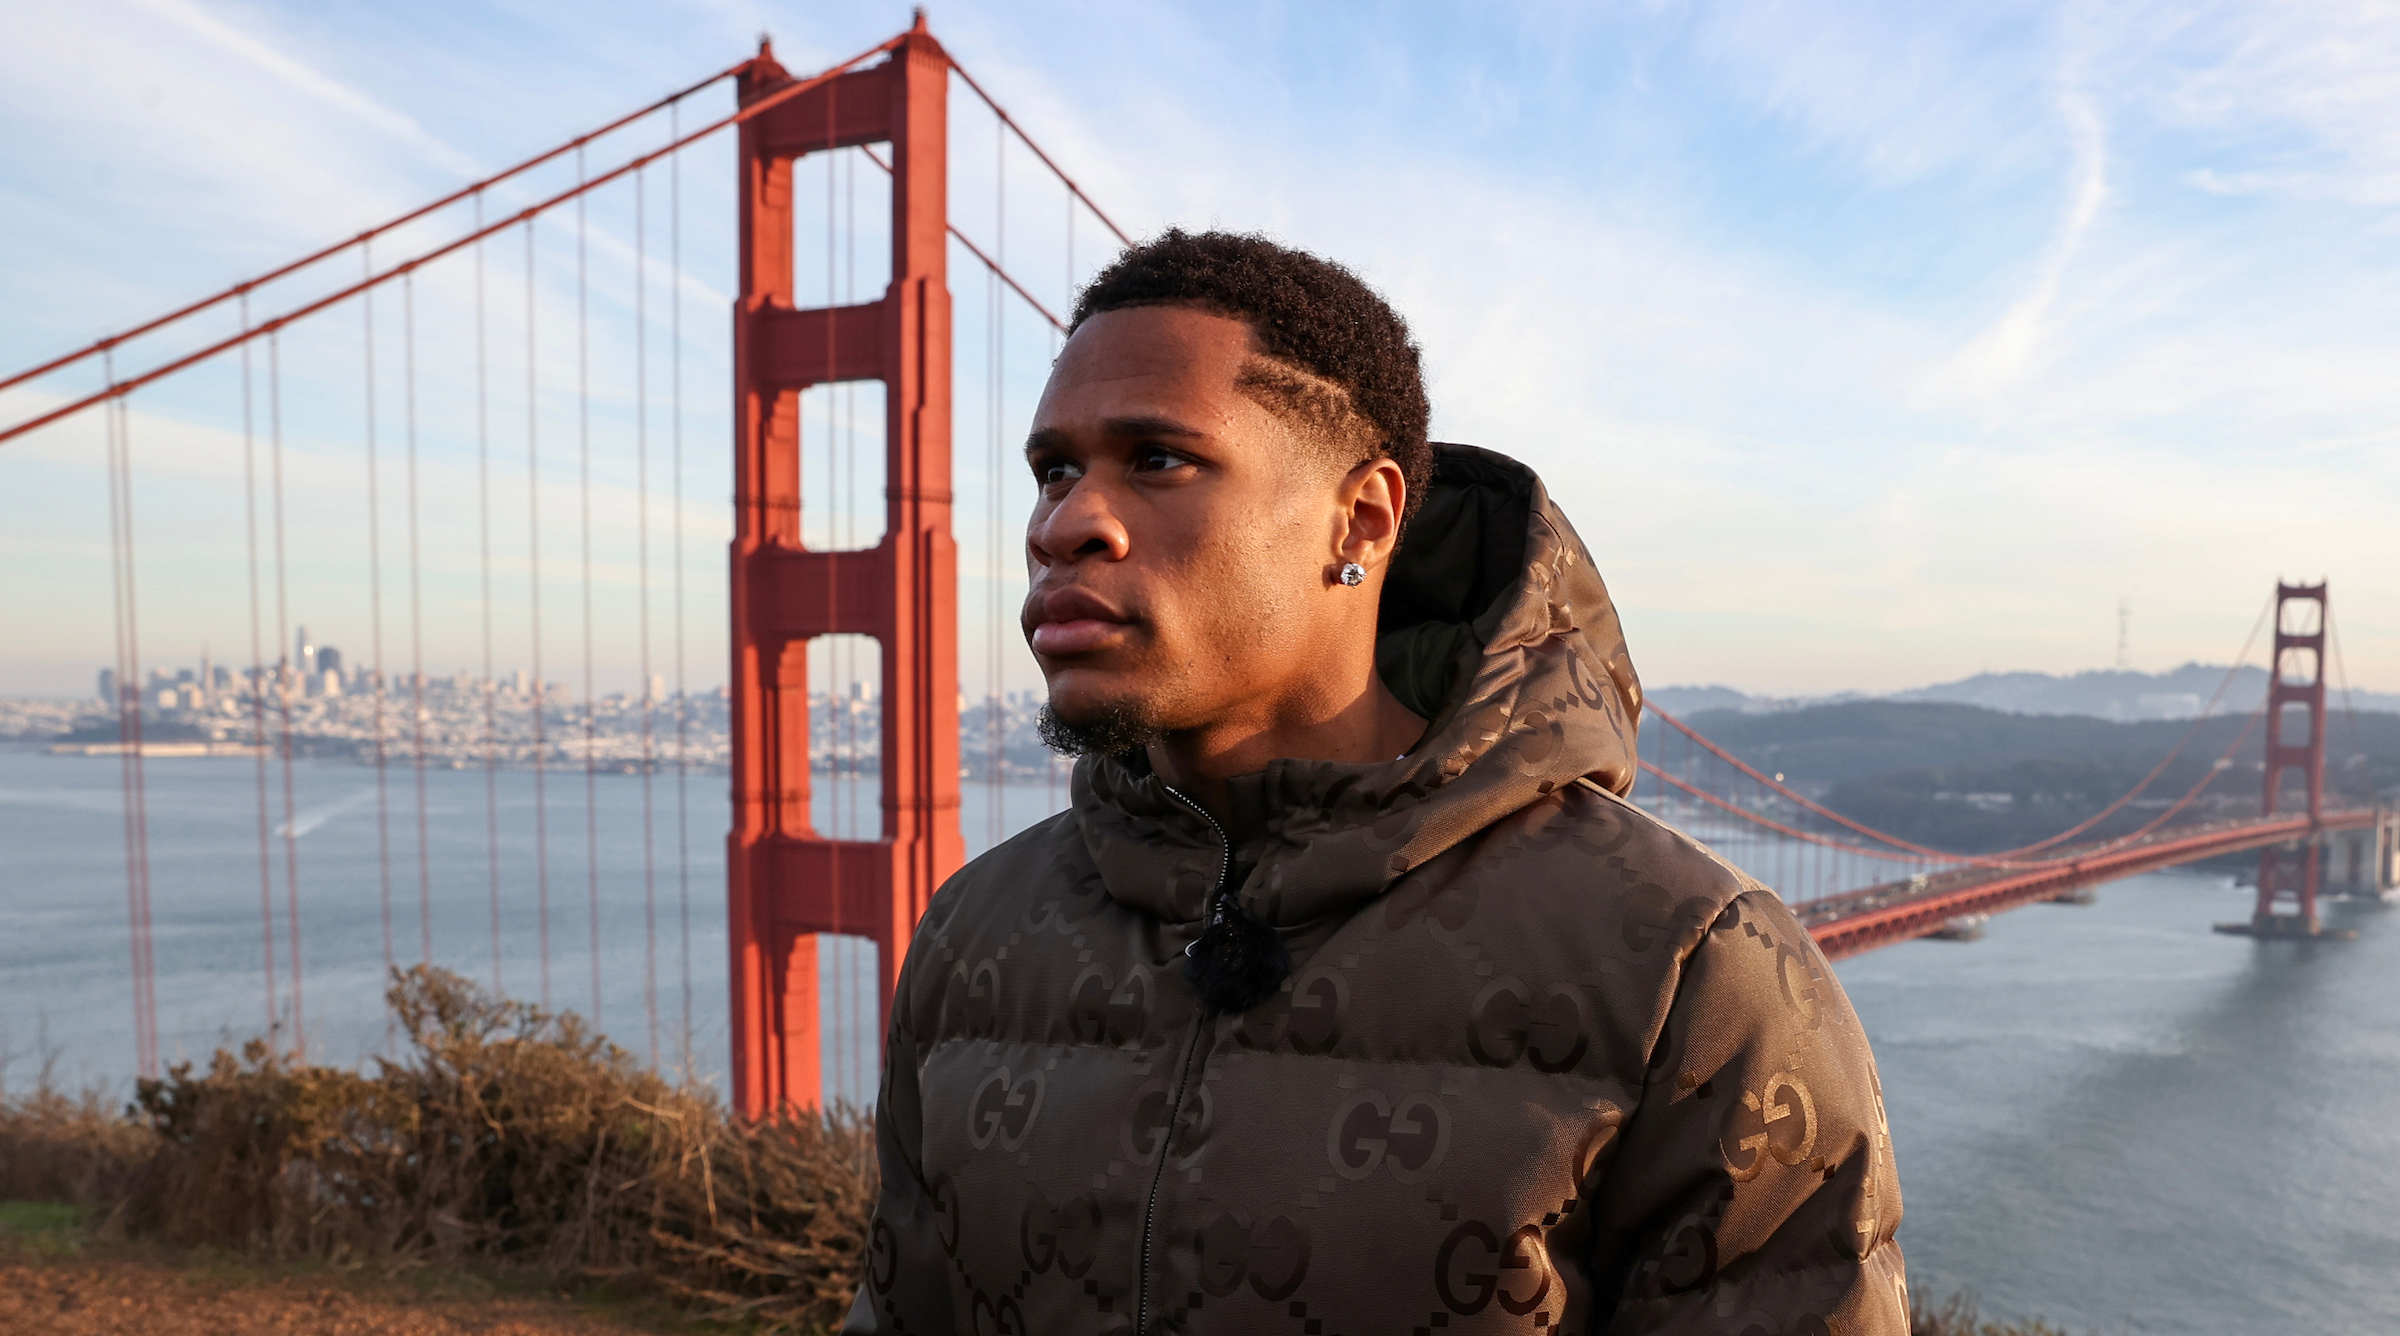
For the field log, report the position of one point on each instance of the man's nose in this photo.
(1083, 525)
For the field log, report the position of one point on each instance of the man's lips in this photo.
(1073, 621)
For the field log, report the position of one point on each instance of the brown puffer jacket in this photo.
(1542, 1063)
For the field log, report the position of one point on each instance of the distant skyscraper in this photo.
(304, 654)
(329, 660)
(108, 687)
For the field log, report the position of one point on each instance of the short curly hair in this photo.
(1308, 314)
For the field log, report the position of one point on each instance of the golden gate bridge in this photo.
(821, 590)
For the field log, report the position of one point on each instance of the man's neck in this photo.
(1371, 725)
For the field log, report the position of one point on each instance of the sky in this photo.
(1867, 345)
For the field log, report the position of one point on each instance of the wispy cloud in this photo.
(1868, 344)
(262, 56)
(1995, 360)
(2310, 94)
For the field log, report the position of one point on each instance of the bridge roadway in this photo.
(1861, 920)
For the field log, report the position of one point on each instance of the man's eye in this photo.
(1052, 472)
(1154, 460)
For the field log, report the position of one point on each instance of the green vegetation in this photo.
(44, 1226)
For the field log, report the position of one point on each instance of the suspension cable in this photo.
(1915, 854)
(243, 289)
(1027, 140)
(1898, 843)
(977, 251)
(524, 215)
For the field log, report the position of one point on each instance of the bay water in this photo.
(2106, 1115)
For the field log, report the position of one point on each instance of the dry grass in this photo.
(505, 1136)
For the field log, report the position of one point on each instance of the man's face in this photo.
(1183, 534)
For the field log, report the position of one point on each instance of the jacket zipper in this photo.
(1183, 1075)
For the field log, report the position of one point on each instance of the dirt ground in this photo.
(93, 1294)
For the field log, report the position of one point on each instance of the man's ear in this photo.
(1373, 496)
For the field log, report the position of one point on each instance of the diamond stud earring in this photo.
(1353, 574)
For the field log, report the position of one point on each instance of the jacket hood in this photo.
(1498, 630)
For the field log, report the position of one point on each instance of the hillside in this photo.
(2118, 695)
(1964, 777)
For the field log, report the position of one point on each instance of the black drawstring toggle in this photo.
(1238, 961)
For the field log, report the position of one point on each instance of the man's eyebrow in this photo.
(1137, 426)
(1149, 424)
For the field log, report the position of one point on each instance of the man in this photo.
(1351, 995)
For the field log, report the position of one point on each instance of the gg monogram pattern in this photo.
(1542, 1063)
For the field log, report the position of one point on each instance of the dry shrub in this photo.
(1960, 1315)
(507, 1135)
(65, 1149)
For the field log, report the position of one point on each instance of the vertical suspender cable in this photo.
(533, 571)
(1779, 847)
(641, 483)
(2333, 636)
(583, 464)
(1816, 855)
(683, 721)
(483, 504)
(258, 683)
(1800, 867)
(383, 810)
(1050, 758)
(147, 982)
(996, 363)
(1787, 856)
(287, 682)
(416, 619)
(129, 728)
(145, 978)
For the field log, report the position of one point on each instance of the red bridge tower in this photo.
(787, 883)
(2288, 873)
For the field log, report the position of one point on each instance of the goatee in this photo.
(1106, 732)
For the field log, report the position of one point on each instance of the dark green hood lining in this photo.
(1462, 556)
